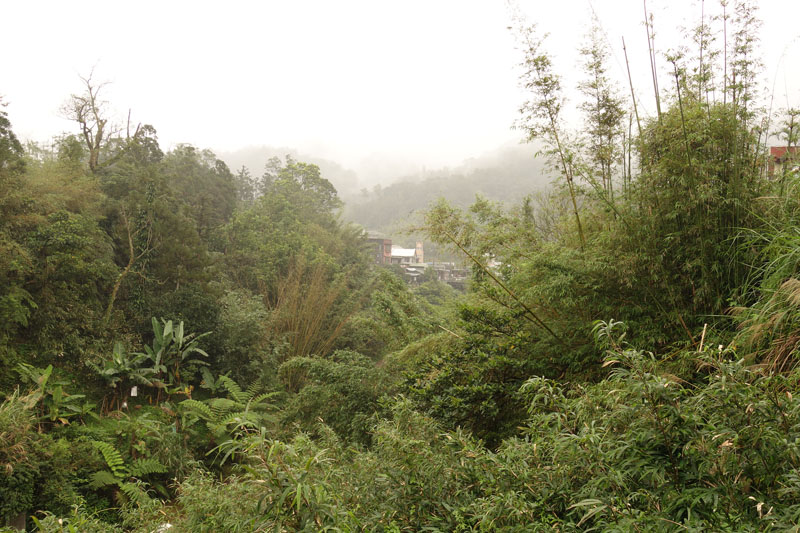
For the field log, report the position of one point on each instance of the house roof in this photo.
(403, 252)
(780, 151)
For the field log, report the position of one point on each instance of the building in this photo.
(779, 156)
(407, 256)
(380, 248)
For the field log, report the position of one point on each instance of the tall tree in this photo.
(541, 113)
(603, 111)
(88, 109)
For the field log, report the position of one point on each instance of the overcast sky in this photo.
(430, 81)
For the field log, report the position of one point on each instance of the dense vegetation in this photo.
(187, 345)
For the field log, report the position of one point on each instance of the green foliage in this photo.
(511, 419)
(171, 349)
(37, 471)
(695, 207)
(147, 433)
(204, 183)
(124, 369)
(54, 404)
(342, 391)
(391, 317)
(241, 333)
(769, 325)
(471, 382)
(17, 464)
(211, 505)
(10, 147)
(76, 522)
(72, 270)
(127, 478)
(228, 419)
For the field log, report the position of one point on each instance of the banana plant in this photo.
(123, 370)
(171, 349)
(54, 404)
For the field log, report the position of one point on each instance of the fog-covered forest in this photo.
(195, 341)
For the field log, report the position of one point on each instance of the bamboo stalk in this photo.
(703, 337)
(533, 316)
(633, 95)
(683, 120)
(652, 48)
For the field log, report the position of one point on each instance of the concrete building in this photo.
(407, 256)
(380, 247)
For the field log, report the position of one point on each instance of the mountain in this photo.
(506, 175)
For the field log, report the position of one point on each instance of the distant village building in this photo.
(779, 156)
(412, 261)
(407, 256)
(381, 248)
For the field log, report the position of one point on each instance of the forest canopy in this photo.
(216, 349)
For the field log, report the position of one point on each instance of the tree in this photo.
(89, 111)
(541, 114)
(204, 183)
(603, 111)
(16, 303)
(11, 152)
(245, 186)
(302, 182)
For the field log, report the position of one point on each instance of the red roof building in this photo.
(779, 156)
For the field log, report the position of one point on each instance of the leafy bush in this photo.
(342, 391)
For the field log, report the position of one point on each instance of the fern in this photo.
(144, 467)
(101, 479)
(220, 406)
(113, 459)
(257, 400)
(233, 389)
(135, 492)
(198, 409)
(241, 409)
(253, 389)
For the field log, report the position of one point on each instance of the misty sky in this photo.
(427, 81)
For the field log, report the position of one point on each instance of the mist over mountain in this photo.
(384, 192)
(506, 174)
(254, 158)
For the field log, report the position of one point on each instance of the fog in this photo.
(378, 89)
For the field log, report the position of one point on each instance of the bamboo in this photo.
(630, 147)
(633, 95)
(725, 52)
(652, 48)
(533, 316)
(683, 120)
(702, 37)
(703, 337)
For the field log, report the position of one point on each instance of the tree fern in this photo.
(241, 410)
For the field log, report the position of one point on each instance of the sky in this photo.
(426, 83)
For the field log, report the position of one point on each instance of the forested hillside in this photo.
(505, 175)
(189, 348)
(252, 160)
